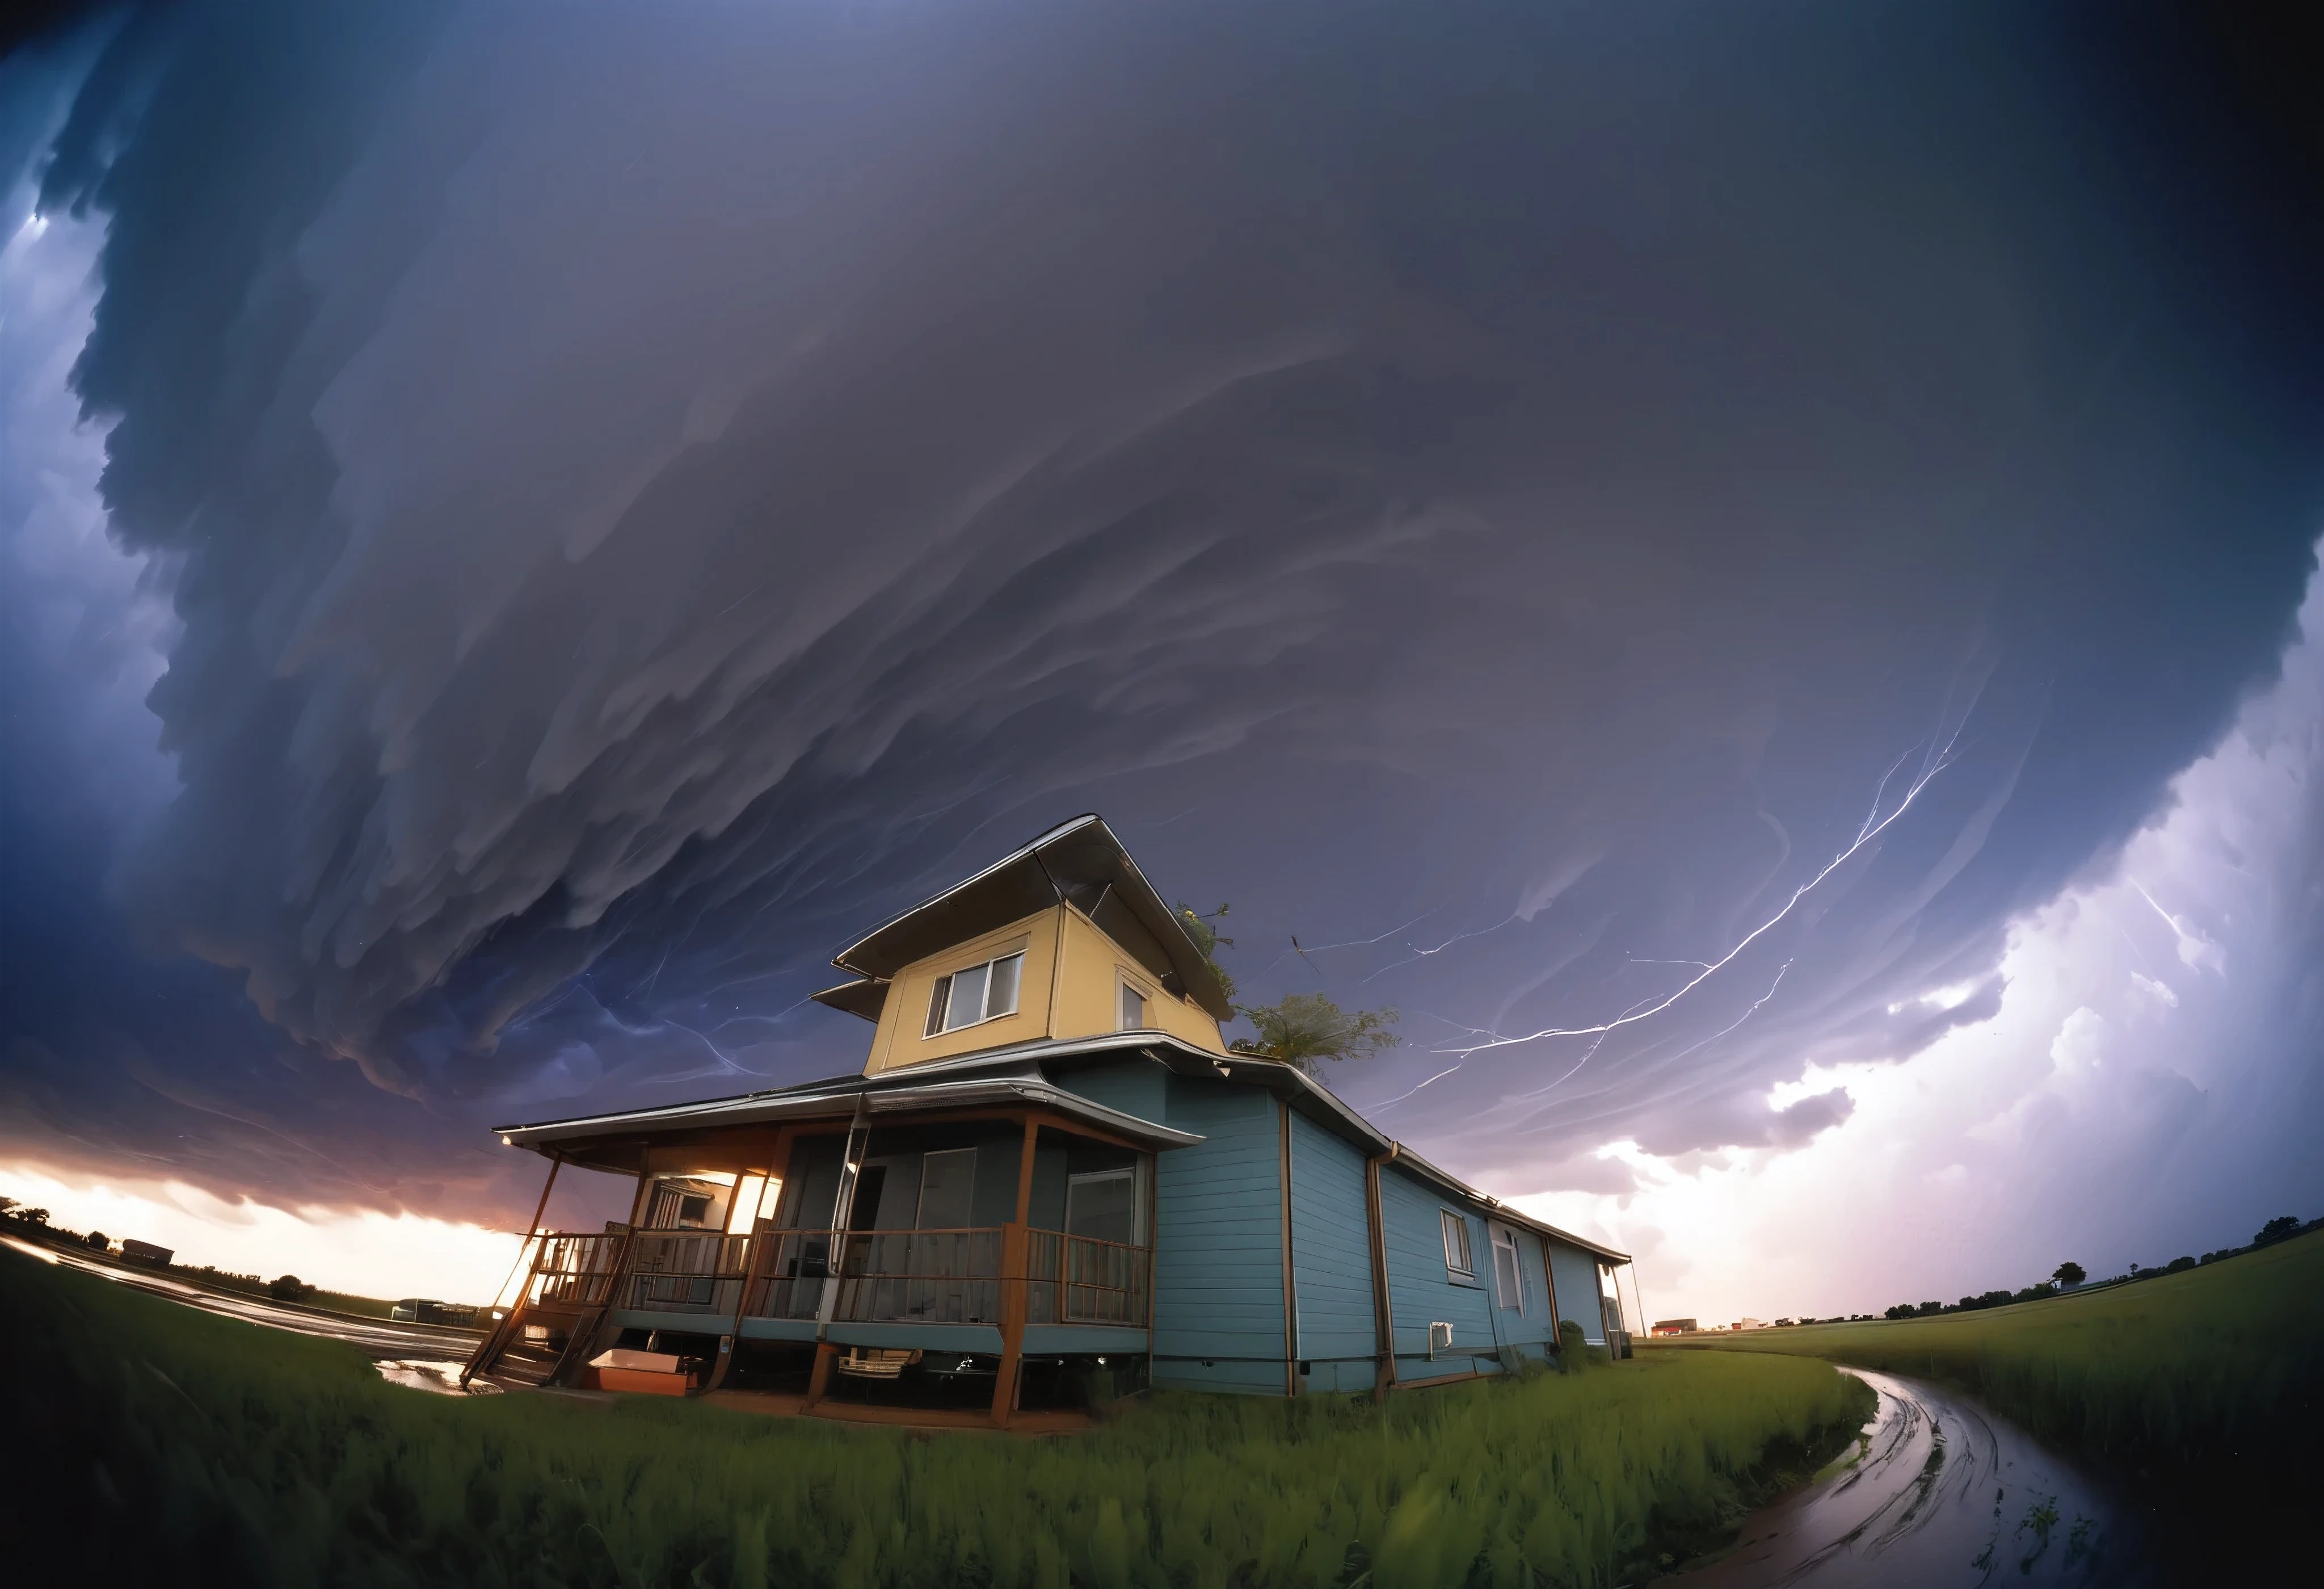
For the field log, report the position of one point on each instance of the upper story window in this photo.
(1133, 1008)
(1508, 1274)
(1456, 1245)
(975, 994)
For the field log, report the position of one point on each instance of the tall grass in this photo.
(2186, 1367)
(2203, 1390)
(176, 1441)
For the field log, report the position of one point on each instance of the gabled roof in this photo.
(1078, 861)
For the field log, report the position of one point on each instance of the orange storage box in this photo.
(646, 1374)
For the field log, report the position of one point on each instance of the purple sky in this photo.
(1743, 572)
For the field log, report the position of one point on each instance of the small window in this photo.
(692, 1212)
(1508, 1274)
(1456, 1244)
(1133, 1008)
(947, 1189)
(1102, 1204)
(975, 994)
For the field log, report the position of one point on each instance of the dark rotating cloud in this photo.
(641, 495)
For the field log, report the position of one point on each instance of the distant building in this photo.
(137, 1252)
(428, 1310)
(1749, 1324)
(1051, 1166)
(1674, 1327)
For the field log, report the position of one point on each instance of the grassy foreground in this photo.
(2203, 1390)
(175, 1442)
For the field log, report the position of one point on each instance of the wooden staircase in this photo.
(559, 1312)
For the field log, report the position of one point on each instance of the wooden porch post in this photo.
(1290, 1285)
(842, 1214)
(754, 1257)
(641, 1205)
(1013, 1284)
(489, 1349)
(1549, 1273)
(1383, 1314)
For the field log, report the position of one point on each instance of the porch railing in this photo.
(930, 1277)
(1079, 1279)
(787, 1274)
(920, 1277)
(577, 1271)
(685, 1272)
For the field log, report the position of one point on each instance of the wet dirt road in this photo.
(1945, 1494)
(421, 1349)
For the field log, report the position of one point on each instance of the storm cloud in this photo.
(1509, 496)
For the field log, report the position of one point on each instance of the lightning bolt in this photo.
(2168, 920)
(1740, 1019)
(1400, 1097)
(1353, 943)
(1869, 832)
(1413, 955)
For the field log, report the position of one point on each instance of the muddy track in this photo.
(1943, 1493)
(379, 1339)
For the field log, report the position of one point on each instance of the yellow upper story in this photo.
(1053, 973)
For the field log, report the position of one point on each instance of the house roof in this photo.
(1015, 1074)
(1320, 1104)
(1078, 861)
(617, 1140)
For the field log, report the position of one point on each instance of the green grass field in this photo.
(2201, 1390)
(175, 1443)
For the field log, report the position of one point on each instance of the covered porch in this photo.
(949, 1262)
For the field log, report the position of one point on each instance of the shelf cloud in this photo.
(620, 505)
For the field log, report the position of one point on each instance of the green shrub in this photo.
(245, 1455)
(1574, 1349)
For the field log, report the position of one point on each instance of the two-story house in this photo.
(1052, 1178)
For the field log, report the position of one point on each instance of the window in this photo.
(975, 994)
(743, 1208)
(1102, 1204)
(1133, 1008)
(1456, 1244)
(947, 1189)
(1508, 1274)
(676, 1205)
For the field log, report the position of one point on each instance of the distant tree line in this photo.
(2069, 1275)
(35, 1223)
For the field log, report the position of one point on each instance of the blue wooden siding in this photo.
(1527, 1327)
(1218, 1260)
(1577, 1290)
(1218, 1263)
(1331, 1260)
(1538, 1325)
(1134, 1086)
(1422, 1289)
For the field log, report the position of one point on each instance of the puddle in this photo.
(442, 1379)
